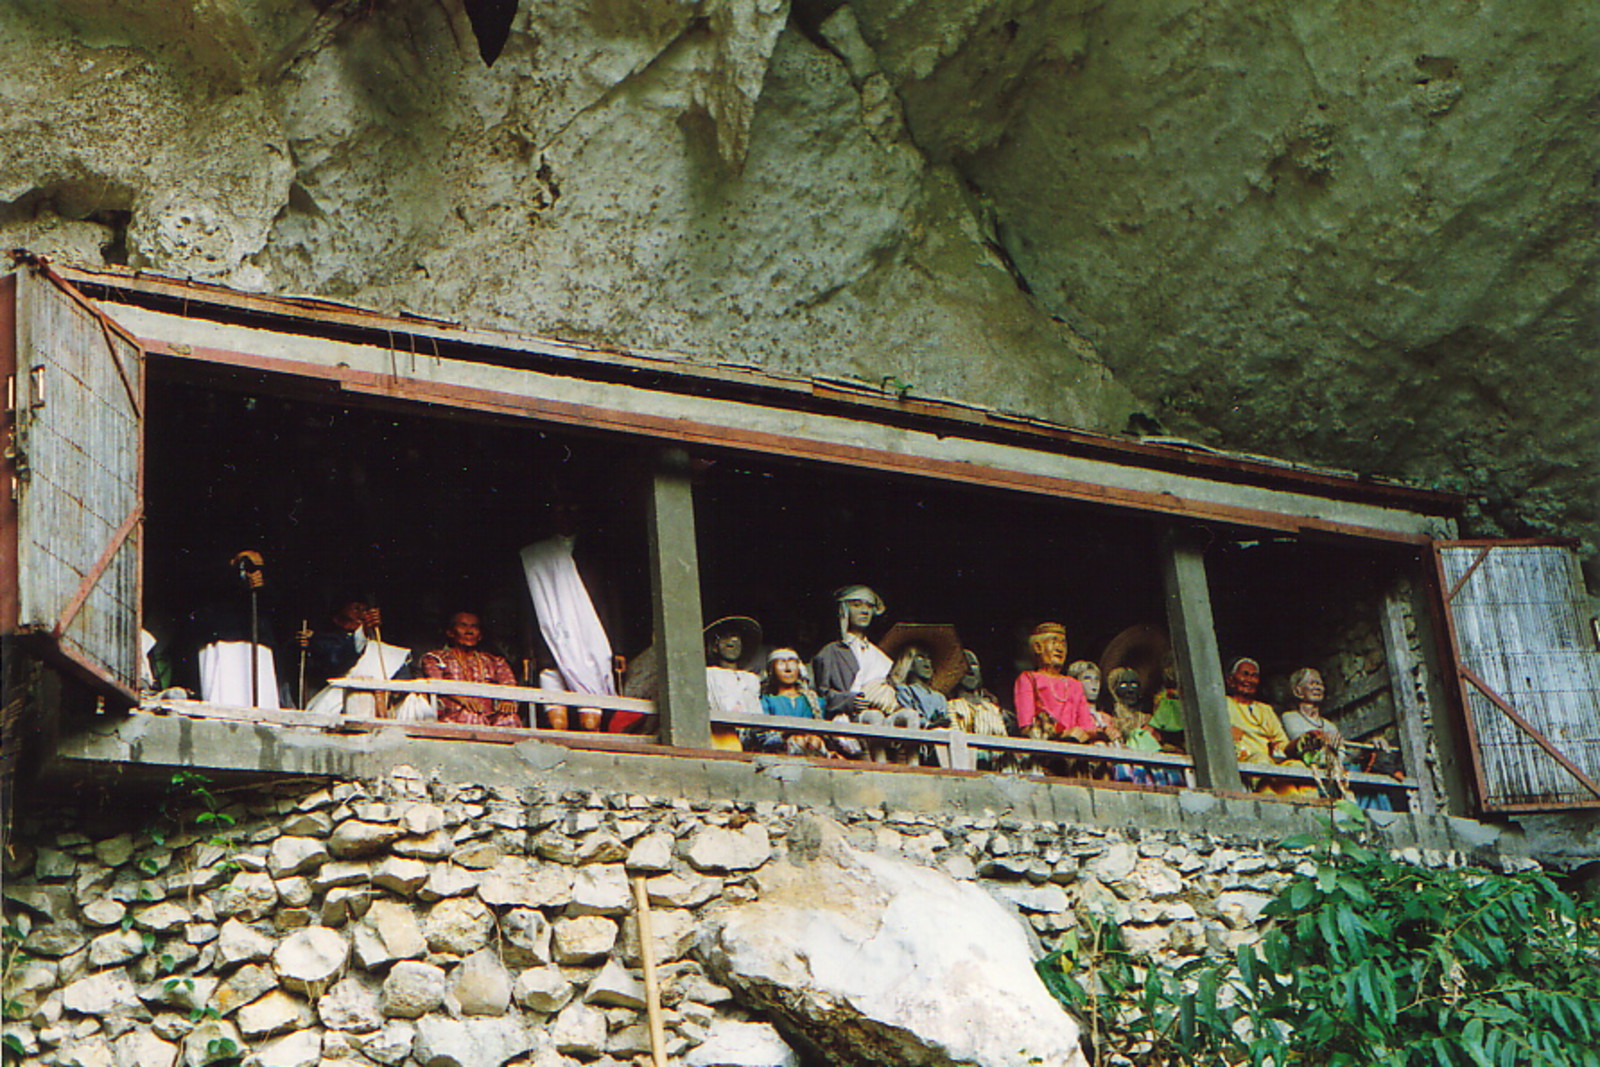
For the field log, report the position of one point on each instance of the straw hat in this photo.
(1144, 648)
(748, 630)
(942, 643)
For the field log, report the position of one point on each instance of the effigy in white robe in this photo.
(377, 660)
(567, 618)
(225, 675)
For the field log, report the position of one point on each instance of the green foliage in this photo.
(1366, 961)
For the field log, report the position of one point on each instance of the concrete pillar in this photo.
(675, 596)
(1207, 731)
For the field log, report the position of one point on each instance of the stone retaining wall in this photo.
(403, 921)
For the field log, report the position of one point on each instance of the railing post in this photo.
(675, 595)
(1207, 732)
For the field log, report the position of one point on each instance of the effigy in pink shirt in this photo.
(1060, 696)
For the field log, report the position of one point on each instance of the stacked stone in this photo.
(390, 923)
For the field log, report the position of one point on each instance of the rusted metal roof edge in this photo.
(315, 316)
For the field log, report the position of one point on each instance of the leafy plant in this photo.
(1366, 960)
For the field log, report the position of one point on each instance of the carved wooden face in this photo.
(1125, 686)
(919, 668)
(973, 679)
(1310, 688)
(1245, 680)
(728, 646)
(464, 630)
(858, 614)
(786, 671)
(1050, 652)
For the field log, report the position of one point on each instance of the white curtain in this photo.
(567, 617)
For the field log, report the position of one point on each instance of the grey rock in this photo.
(307, 824)
(103, 911)
(163, 918)
(249, 895)
(117, 946)
(481, 1042)
(290, 856)
(419, 819)
(302, 1049)
(295, 892)
(1045, 899)
(679, 891)
(651, 854)
(865, 949)
(629, 1041)
(49, 865)
(341, 873)
(716, 849)
(600, 889)
(102, 993)
(241, 987)
(390, 1045)
(431, 846)
(205, 1043)
(53, 902)
(238, 942)
(525, 937)
(400, 876)
(354, 839)
(481, 985)
(600, 846)
(345, 903)
(613, 987)
(388, 932)
(447, 880)
(582, 939)
(141, 1048)
(738, 1044)
(309, 959)
(412, 989)
(88, 1051)
(353, 1005)
(183, 992)
(479, 856)
(542, 989)
(55, 940)
(579, 1030)
(459, 925)
(673, 932)
(275, 1013)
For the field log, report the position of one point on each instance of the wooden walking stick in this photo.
(305, 625)
(647, 960)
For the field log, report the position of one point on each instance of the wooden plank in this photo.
(518, 693)
(677, 372)
(1528, 728)
(11, 327)
(1408, 710)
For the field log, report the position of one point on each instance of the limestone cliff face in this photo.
(1363, 233)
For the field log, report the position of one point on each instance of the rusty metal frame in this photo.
(389, 387)
(1466, 680)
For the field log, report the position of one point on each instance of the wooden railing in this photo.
(957, 750)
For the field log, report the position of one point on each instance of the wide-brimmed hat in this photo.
(749, 630)
(1142, 646)
(860, 592)
(942, 643)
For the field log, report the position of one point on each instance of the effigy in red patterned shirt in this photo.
(462, 661)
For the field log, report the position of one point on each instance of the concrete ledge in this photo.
(152, 746)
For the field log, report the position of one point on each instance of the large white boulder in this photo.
(876, 961)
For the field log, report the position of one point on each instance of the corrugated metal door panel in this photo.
(1518, 618)
(79, 504)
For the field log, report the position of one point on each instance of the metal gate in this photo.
(1529, 671)
(78, 396)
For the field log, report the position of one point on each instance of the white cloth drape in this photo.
(567, 617)
(225, 675)
(377, 660)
